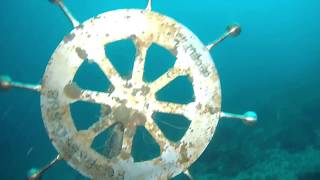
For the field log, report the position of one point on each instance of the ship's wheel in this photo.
(131, 102)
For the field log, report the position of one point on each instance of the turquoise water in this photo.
(271, 68)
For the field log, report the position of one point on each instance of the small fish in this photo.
(29, 151)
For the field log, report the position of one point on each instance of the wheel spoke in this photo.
(169, 76)
(127, 142)
(99, 126)
(167, 107)
(111, 73)
(156, 133)
(139, 62)
(97, 98)
(87, 136)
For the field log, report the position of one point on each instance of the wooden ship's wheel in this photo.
(131, 102)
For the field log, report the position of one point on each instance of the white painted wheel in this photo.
(133, 97)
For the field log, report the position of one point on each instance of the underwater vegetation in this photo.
(286, 145)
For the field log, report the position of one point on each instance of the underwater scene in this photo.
(219, 89)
